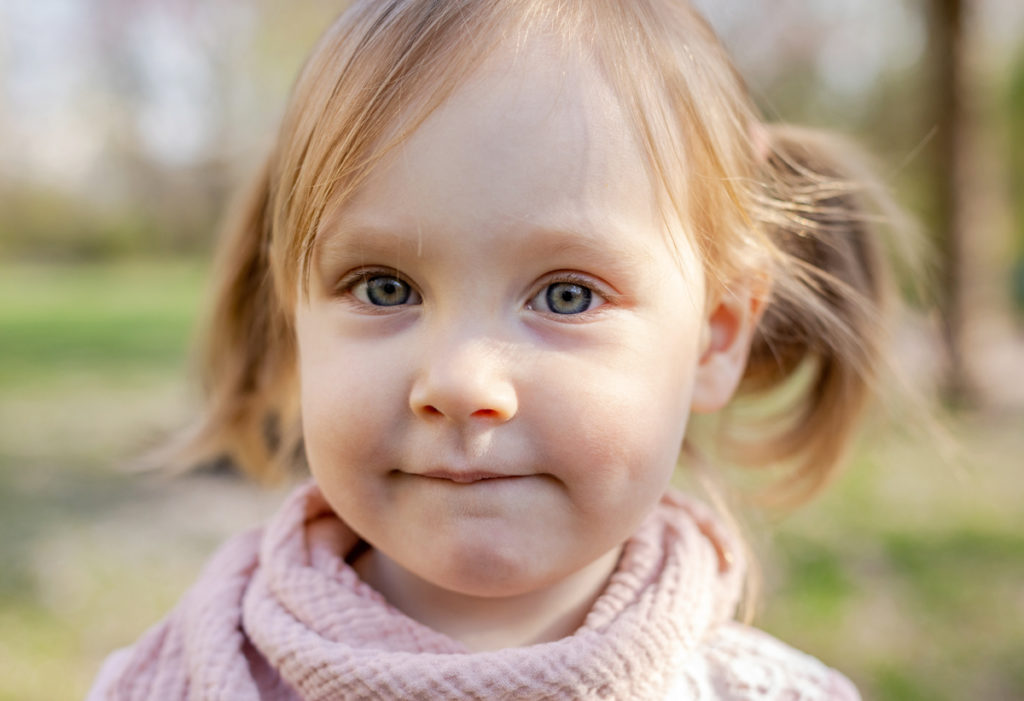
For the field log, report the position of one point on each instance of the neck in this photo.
(490, 623)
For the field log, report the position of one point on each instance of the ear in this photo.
(726, 336)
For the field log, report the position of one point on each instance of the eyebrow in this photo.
(349, 241)
(602, 248)
(345, 243)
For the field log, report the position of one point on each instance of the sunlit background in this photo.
(125, 125)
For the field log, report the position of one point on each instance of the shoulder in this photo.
(739, 662)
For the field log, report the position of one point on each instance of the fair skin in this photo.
(499, 353)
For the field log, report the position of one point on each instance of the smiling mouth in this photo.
(467, 477)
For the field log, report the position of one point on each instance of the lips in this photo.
(466, 476)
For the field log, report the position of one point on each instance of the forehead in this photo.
(535, 134)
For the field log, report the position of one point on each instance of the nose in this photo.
(464, 381)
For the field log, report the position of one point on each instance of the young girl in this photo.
(499, 253)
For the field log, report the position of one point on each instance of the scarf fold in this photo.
(278, 614)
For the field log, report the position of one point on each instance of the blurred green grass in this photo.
(101, 319)
(908, 574)
(85, 352)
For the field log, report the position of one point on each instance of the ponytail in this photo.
(823, 331)
(246, 354)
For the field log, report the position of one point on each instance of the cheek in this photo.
(344, 428)
(348, 399)
(617, 423)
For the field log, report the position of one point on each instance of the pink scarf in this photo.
(278, 614)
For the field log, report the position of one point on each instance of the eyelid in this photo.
(577, 278)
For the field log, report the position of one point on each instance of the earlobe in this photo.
(727, 334)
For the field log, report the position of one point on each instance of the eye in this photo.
(384, 291)
(566, 297)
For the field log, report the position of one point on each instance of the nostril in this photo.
(431, 410)
(485, 413)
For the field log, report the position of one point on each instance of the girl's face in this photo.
(499, 348)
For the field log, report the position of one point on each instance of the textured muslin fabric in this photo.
(278, 614)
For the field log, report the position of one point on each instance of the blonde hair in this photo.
(772, 201)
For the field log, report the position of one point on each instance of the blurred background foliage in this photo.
(125, 125)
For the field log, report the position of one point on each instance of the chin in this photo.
(487, 571)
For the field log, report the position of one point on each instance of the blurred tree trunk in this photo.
(947, 33)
